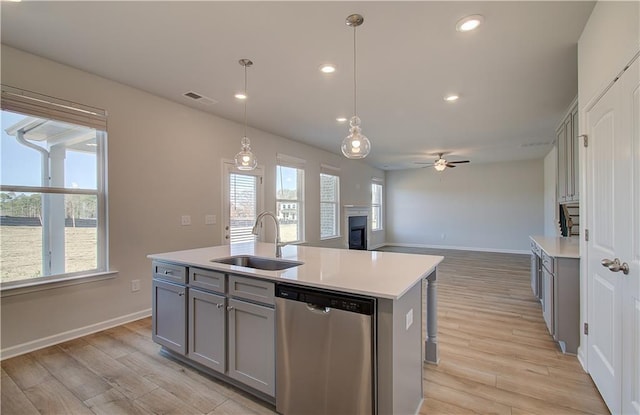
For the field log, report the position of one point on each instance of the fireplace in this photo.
(358, 232)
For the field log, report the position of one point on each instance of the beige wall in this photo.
(165, 160)
(493, 206)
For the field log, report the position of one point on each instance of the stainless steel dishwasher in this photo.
(325, 352)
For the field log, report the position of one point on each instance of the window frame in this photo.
(283, 160)
(31, 104)
(332, 172)
(377, 205)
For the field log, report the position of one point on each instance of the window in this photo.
(329, 202)
(243, 190)
(290, 198)
(376, 205)
(52, 189)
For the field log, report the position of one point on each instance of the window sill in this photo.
(328, 238)
(377, 230)
(34, 286)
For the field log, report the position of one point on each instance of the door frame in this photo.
(227, 167)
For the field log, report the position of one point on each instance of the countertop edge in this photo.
(558, 247)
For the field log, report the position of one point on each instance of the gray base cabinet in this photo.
(222, 322)
(548, 300)
(207, 320)
(252, 345)
(169, 318)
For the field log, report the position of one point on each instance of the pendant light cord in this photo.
(355, 113)
(245, 100)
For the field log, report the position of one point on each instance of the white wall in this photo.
(493, 207)
(608, 42)
(551, 226)
(164, 161)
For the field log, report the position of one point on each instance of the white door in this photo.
(613, 221)
(242, 203)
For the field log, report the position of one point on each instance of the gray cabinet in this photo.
(228, 320)
(568, 161)
(251, 342)
(536, 270)
(169, 317)
(207, 321)
(561, 300)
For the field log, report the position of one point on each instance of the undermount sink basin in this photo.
(250, 261)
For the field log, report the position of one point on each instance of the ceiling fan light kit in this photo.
(245, 160)
(441, 164)
(356, 145)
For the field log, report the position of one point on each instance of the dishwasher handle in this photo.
(314, 308)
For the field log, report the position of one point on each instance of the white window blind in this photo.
(243, 199)
(376, 204)
(43, 106)
(329, 204)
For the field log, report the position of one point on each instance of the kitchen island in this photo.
(192, 294)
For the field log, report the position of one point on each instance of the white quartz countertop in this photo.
(372, 273)
(561, 247)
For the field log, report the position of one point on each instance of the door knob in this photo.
(606, 262)
(220, 305)
(616, 266)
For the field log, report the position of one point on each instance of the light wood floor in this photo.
(495, 357)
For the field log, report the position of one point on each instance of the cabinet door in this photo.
(575, 159)
(169, 317)
(547, 299)
(561, 139)
(252, 345)
(207, 319)
(534, 274)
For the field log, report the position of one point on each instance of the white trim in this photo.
(582, 358)
(35, 284)
(71, 334)
(377, 179)
(460, 248)
(376, 246)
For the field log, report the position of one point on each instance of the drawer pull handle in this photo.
(168, 272)
(181, 293)
(220, 305)
(229, 308)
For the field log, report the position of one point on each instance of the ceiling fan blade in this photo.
(423, 163)
(450, 165)
(458, 162)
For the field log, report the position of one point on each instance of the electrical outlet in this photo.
(209, 219)
(185, 220)
(409, 319)
(135, 285)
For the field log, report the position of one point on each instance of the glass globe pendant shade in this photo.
(356, 145)
(245, 160)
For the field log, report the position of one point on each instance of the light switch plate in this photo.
(135, 285)
(409, 319)
(185, 220)
(209, 219)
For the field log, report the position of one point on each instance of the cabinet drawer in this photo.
(251, 289)
(207, 280)
(548, 262)
(170, 272)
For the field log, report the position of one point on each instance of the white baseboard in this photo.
(376, 246)
(459, 248)
(582, 358)
(70, 335)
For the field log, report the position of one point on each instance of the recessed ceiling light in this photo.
(469, 23)
(328, 68)
(240, 95)
(341, 119)
(451, 98)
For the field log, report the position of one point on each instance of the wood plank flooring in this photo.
(496, 357)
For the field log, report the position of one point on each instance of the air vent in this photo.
(200, 98)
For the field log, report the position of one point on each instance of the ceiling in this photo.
(516, 74)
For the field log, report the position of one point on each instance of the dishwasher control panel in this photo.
(321, 298)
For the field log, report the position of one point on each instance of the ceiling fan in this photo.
(440, 164)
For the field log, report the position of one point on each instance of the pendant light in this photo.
(355, 145)
(245, 160)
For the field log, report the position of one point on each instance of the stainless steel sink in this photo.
(250, 261)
